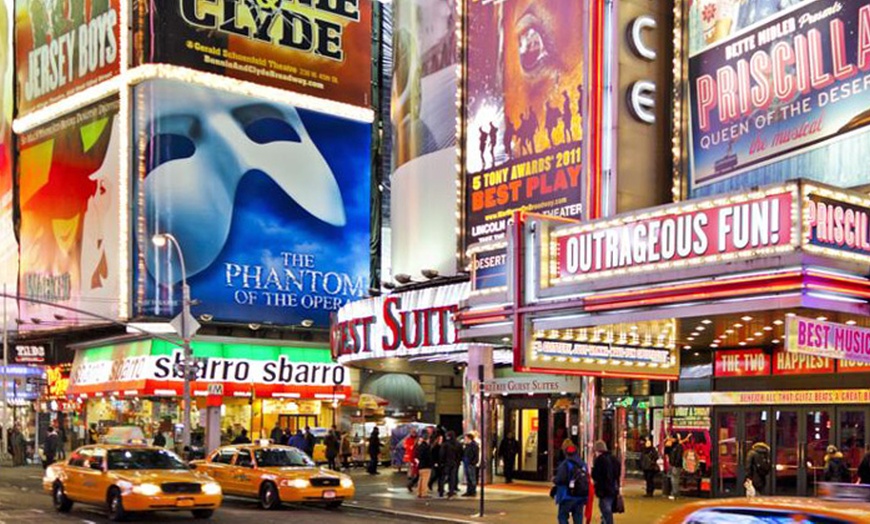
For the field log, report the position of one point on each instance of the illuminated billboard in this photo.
(778, 90)
(524, 112)
(423, 115)
(8, 243)
(268, 203)
(319, 48)
(70, 217)
(62, 49)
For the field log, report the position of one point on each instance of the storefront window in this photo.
(852, 424)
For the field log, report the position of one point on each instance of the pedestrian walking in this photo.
(309, 442)
(451, 456)
(346, 450)
(242, 438)
(423, 459)
(674, 452)
(606, 472)
(758, 465)
(508, 451)
(63, 437)
(333, 446)
(159, 440)
(470, 461)
(836, 469)
(649, 464)
(297, 441)
(408, 445)
(374, 451)
(437, 468)
(19, 446)
(572, 487)
(277, 434)
(50, 447)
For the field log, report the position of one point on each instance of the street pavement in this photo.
(381, 499)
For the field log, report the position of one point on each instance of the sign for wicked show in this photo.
(785, 85)
(316, 47)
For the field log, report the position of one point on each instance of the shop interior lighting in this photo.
(757, 334)
(778, 322)
(746, 318)
(706, 321)
(700, 328)
(821, 318)
(850, 322)
(775, 341)
(790, 314)
(767, 328)
(738, 325)
(741, 343)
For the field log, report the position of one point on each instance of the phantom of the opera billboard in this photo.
(70, 216)
(63, 48)
(320, 48)
(778, 90)
(268, 203)
(523, 114)
(8, 243)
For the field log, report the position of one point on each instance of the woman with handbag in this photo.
(649, 458)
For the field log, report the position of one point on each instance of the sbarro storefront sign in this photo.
(413, 323)
(155, 368)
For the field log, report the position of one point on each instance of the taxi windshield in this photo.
(144, 459)
(278, 457)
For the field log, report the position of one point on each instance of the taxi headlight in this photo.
(211, 488)
(148, 490)
(50, 475)
(347, 483)
(295, 483)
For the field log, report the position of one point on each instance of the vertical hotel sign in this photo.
(787, 84)
(62, 49)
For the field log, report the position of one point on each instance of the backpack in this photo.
(578, 483)
(762, 462)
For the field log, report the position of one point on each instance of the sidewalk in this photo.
(504, 503)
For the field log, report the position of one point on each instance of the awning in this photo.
(153, 368)
(402, 391)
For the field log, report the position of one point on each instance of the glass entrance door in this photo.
(801, 438)
(786, 445)
(737, 430)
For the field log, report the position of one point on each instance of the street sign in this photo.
(190, 324)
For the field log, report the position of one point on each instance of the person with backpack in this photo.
(836, 469)
(649, 464)
(758, 465)
(606, 473)
(572, 487)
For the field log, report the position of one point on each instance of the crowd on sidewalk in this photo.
(434, 457)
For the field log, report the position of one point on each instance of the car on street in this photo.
(127, 479)
(769, 510)
(273, 474)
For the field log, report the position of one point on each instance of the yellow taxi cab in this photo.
(770, 510)
(274, 474)
(127, 479)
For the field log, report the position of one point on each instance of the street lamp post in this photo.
(161, 240)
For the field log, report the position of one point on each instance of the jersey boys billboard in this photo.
(70, 219)
(63, 48)
(320, 48)
(781, 87)
(523, 114)
(8, 243)
(269, 204)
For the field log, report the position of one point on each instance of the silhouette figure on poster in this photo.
(567, 134)
(483, 138)
(508, 138)
(493, 139)
(552, 117)
(580, 102)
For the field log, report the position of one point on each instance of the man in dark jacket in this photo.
(674, 452)
(836, 469)
(374, 451)
(606, 472)
(565, 473)
(277, 434)
(332, 443)
(470, 460)
(758, 465)
(297, 441)
(864, 469)
(423, 458)
(451, 455)
(309, 442)
(242, 438)
(51, 446)
(508, 451)
(435, 458)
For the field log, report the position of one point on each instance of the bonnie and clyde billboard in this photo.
(316, 47)
(786, 81)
